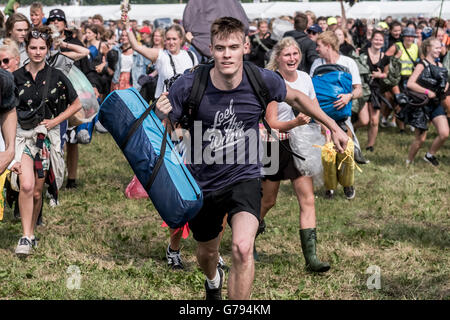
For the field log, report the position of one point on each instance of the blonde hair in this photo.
(347, 37)
(426, 44)
(280, 46)
(10, 46)
(329, 38)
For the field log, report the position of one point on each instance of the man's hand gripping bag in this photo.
(143, 140)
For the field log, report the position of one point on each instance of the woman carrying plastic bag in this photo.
(285, 59)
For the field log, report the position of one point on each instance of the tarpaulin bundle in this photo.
(329, 81)
(143, 140)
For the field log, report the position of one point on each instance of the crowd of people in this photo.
(398, 73)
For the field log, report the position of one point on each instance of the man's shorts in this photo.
(244, 195)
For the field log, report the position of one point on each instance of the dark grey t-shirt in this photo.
(229, 134)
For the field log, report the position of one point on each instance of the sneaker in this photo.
(329, 194)
(359, 158)
(34, 242)
(349, 192)
(24, 247)
(214, 294)
(369, 148)
(99, 128)
(174, 259)
(432, 159)
(383, 123)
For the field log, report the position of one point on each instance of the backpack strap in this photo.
(261, 91)
(191, 55)
(195, 98)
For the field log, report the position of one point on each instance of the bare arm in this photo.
(150, 53)
(414, 86)
(302, 103)
(272, 119)
(76, 52)
(8, 123)
(71, 110)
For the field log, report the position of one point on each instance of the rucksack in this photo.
(199, 86)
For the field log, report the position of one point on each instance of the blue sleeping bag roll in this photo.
(142, 137)
(329, 81)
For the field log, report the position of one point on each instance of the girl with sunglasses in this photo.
(46, 99)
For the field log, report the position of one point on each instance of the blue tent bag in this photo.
(328, 86)
(144, 142)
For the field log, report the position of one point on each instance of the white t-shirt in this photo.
(343, 61)
(182, 61)
(303, 84)
(126, 63)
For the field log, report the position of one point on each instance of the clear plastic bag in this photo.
(302, 140)
(87, 97)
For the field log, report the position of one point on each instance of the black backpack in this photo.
(190, 109)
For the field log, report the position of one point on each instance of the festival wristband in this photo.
(426, 91)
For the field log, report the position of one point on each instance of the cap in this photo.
(315, 28)
(331, 20)
(145, 30)
(56, 14)
(382, 25)
(409, 32)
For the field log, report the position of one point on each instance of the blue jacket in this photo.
(139, 67)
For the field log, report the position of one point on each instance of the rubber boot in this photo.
(261, 229)
(308, 239)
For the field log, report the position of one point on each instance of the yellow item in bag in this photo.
(2, 193)
(329, 166)
(346, 165)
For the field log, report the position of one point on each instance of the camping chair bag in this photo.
(173, 191)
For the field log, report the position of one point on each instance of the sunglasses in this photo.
(312, 32)
(4, 61)
(56, 19)
(36, 35)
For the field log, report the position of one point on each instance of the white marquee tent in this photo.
(365, 9)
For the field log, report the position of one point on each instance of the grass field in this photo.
(399, 221)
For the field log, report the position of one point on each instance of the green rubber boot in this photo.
(308, 239)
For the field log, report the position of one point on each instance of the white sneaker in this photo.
(100, 128)
(24, 247)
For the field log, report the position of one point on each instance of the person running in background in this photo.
(285, 59)
(168, 63)
(435, 91)
(38, 147)
(328, 49)
(307, 46)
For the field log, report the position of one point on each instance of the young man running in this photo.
(229, 116)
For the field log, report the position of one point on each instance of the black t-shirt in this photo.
(8, 91)
(60, 90)
(346, 49)
(381, 63)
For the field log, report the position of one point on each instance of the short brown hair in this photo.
(223, 27)
(43, 29)
(301, 22)
(98, 17)
(12, 20)
(329, 38)
(36, 6)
